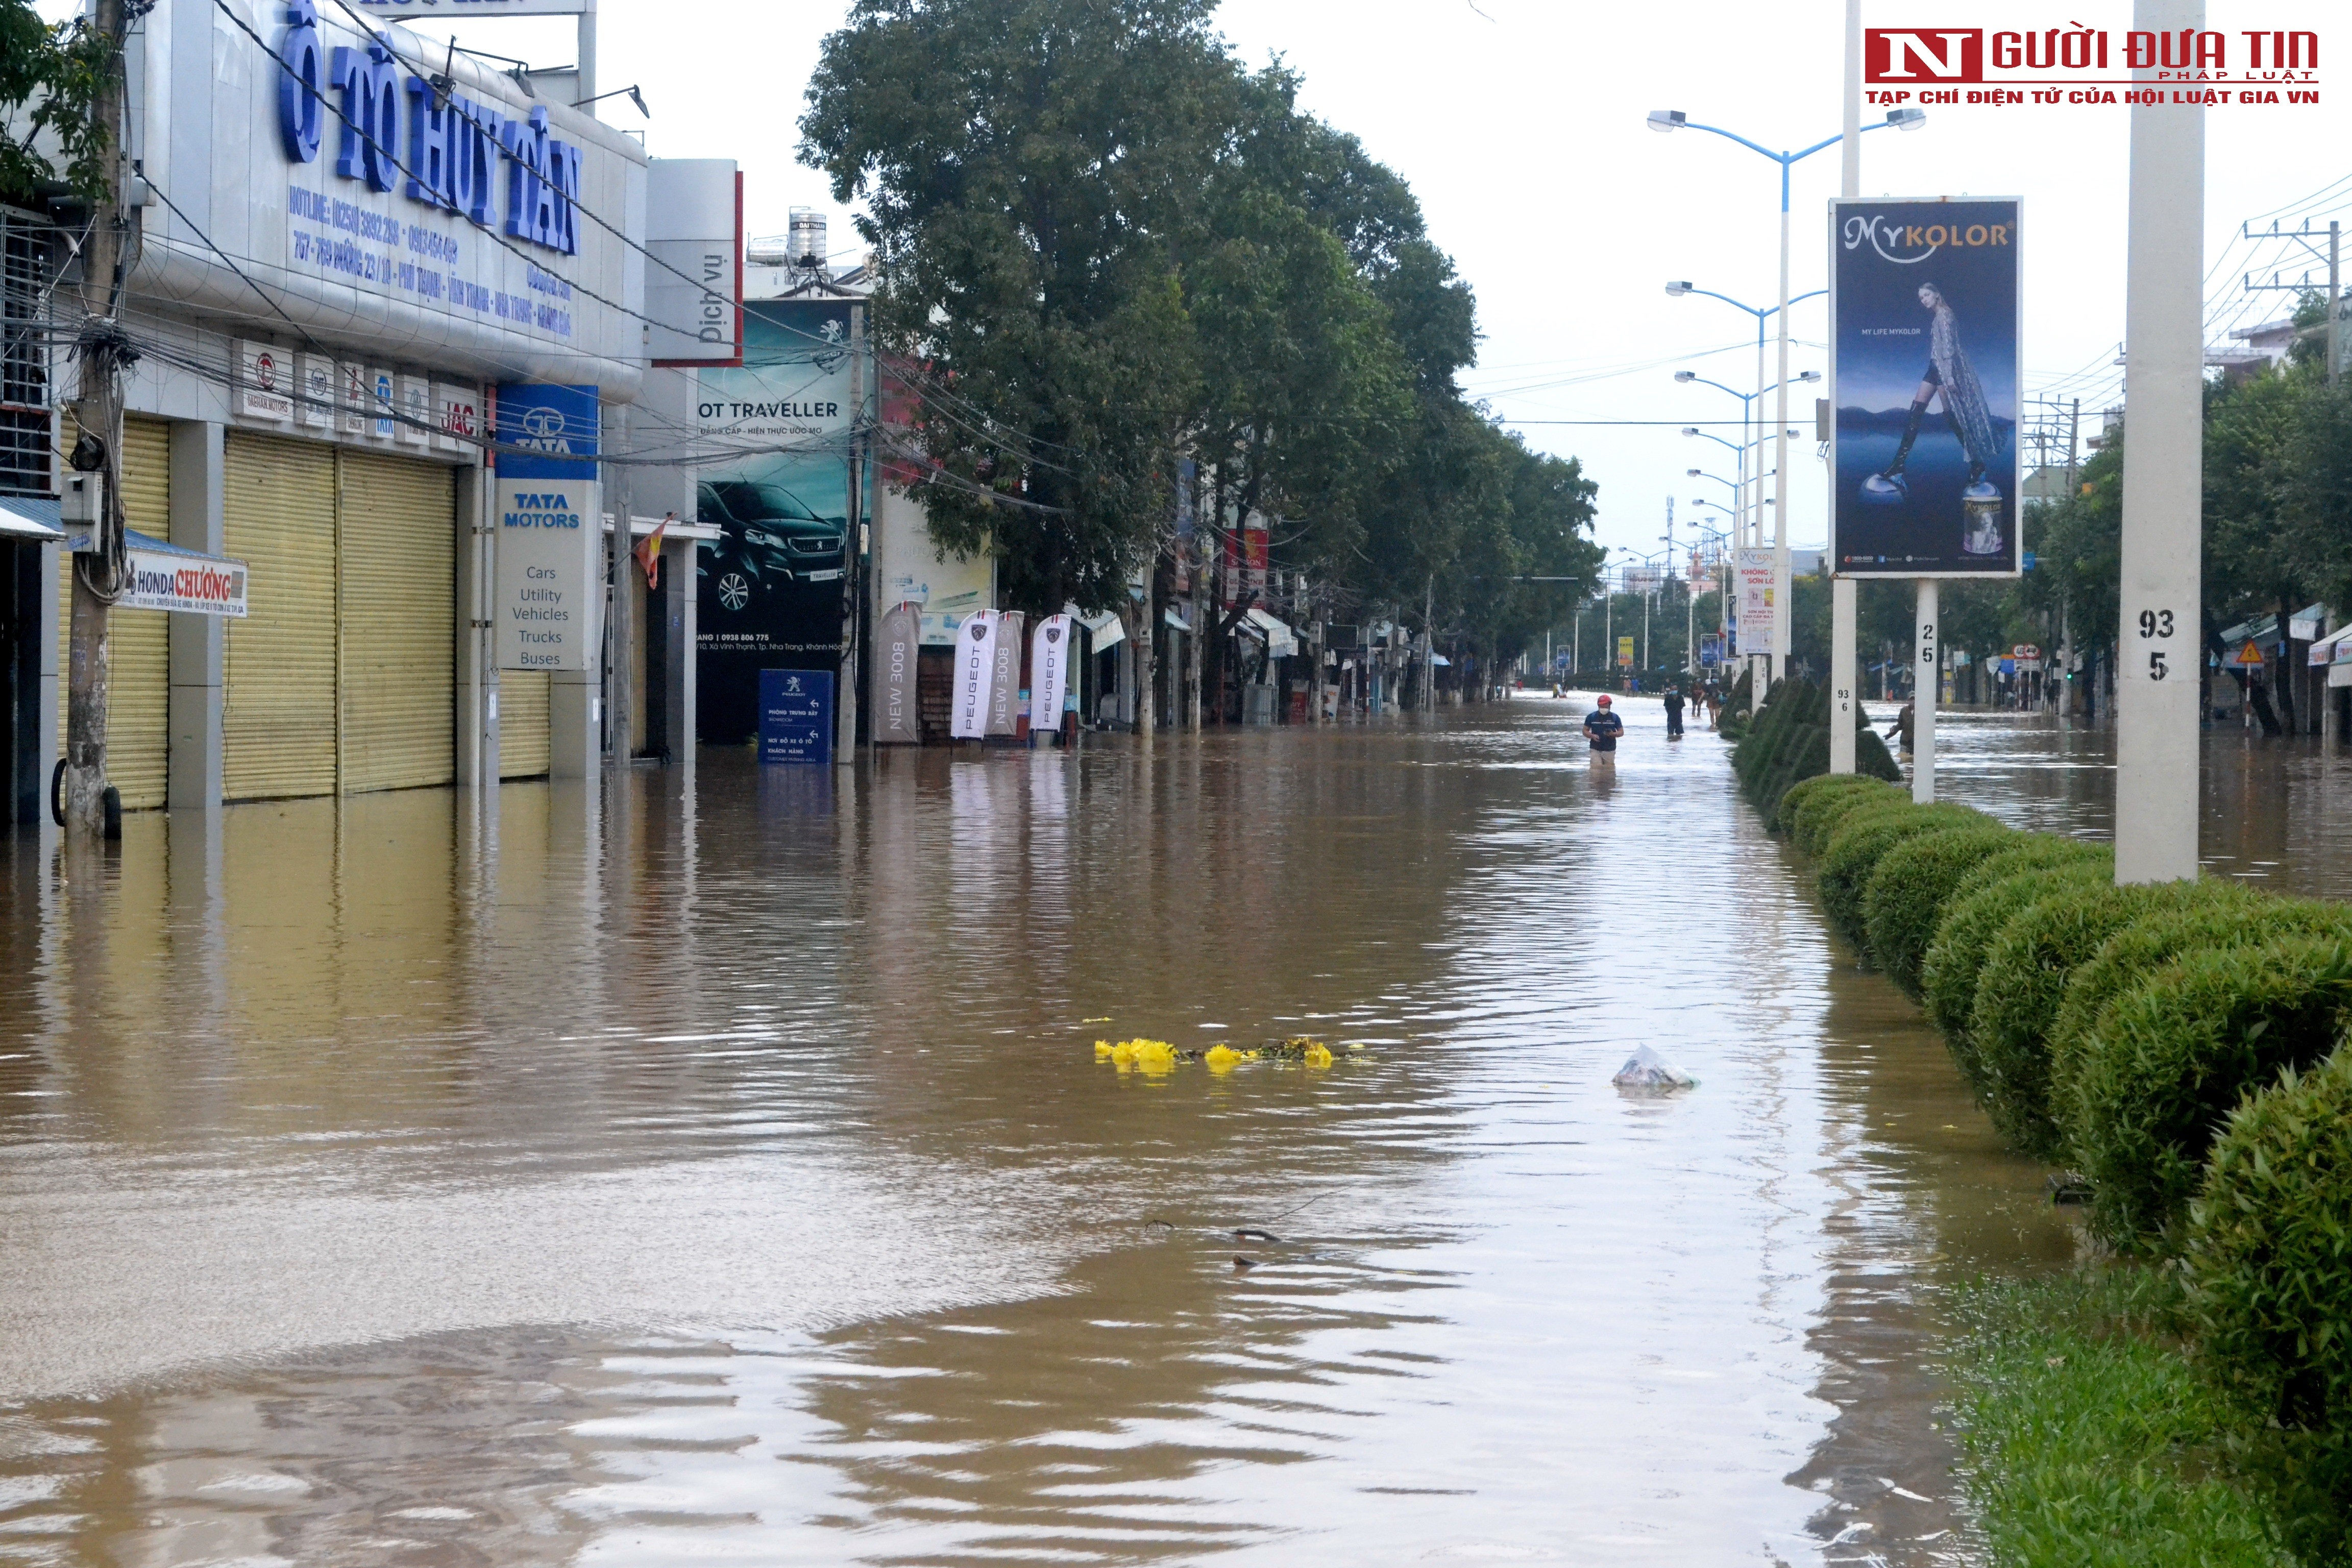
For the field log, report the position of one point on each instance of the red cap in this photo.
(1604, 699)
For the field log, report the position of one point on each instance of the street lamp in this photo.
(1664, 120)
(1746, 399)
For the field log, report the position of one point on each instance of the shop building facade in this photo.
(347, 251)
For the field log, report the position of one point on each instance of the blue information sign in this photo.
(795, 715)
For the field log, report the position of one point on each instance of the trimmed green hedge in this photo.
(2023, 980)
(2124, 1024)
(2270, 1268)
(2227, 914)
(1790, 743)
(2173, 1056)
(1907, 894)
(1864, 839)
(1812, 810)
(1982, 902)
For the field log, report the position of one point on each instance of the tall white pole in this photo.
(1925, 689)
(2157, 676)
(1782, 618)
(1844, 693)
(1752, 434)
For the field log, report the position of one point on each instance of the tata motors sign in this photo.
(551, 528)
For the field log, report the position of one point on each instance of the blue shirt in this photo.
(1601, 728)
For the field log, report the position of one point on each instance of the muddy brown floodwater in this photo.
(730, 1178)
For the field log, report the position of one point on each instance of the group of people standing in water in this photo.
(1603, 726)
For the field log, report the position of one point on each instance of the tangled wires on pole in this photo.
(105, 352)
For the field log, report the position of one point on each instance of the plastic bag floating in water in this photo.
(1651, 1073)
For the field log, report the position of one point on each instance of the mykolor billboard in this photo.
(1923, 356)
(773, 586)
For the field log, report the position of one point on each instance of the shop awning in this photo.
(1281, 642)
(1108, 631)
(1175, 618)
(1440, 661)
(2323, 648)
(30, 517)
(2304, 624)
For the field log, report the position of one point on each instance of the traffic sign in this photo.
(2251, 654)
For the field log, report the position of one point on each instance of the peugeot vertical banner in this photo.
(1049, 672)
(550, 538)
(1005, 677)
(975, 664)
(896, 720)
(1924, 375)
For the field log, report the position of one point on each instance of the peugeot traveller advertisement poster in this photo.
(1923, 380)
(772, 586)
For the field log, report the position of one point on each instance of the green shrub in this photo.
(2018, 988)
(2270, 1267)
(1907, 894)
(2226, 914)
(1854, 853)
(2173, 1056)
(1813, 819)
(1987, 899)
(1818, 787)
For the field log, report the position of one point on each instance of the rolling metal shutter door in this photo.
(524, 744)
(278, 718)
(398, 575)
(139, 642)
(138, 676)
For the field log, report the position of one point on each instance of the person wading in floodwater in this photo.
(1601, 728)
(1674, 712)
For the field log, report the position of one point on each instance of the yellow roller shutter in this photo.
(522, 723)
(398, 575)
(279, 716)
(139, 644)
(138, 678)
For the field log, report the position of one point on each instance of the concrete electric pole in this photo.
(2164, 376)
(101, 352)
(1842, 686)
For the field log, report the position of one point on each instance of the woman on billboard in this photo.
(1949, 375)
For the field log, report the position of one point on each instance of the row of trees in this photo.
(1105, 246)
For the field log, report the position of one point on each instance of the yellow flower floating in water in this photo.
(1157, 1057)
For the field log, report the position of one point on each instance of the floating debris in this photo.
(1160, 1056)
(1648, 1071)
(1249, 1233)
(1241, 1262)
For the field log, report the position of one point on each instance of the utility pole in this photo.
(102, 352)
(2157, 678)
(1842, 614)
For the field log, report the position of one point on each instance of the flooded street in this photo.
(729, 1176)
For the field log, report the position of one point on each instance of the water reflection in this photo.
(726, 1172)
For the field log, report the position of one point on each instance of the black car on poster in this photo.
(769, 539)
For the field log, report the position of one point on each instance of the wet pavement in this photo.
(731, 1178)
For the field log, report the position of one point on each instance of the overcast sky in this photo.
(1520, 125)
